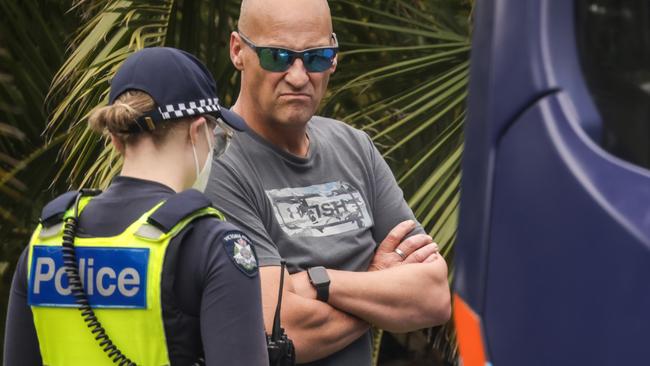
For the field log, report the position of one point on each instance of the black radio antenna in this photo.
(276, 334)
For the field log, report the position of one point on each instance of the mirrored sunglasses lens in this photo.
(319, 60)
(274, 59)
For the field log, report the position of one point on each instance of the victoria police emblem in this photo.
(240, 251)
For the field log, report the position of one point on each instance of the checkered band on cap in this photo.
(198, 107)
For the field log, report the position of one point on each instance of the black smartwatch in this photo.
(321, 281)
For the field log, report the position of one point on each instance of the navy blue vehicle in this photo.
(553, 254)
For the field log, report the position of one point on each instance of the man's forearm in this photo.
(398, 299)
(316, 329)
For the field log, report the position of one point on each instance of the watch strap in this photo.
(322, 293)
(322, 289)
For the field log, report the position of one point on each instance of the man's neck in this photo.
(292, 139)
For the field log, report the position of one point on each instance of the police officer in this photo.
(144, 273)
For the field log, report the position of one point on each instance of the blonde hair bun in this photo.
(118, 117)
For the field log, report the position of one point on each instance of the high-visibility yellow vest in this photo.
(122, 278)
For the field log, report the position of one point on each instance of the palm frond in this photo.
(118, 29)
(25, 75)
(32, 45)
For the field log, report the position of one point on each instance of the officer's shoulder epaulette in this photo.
(53, 212)
(178, 207)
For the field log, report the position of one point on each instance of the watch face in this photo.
(319, 275)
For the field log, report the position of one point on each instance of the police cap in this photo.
(180, 85)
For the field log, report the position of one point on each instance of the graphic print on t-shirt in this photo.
(319, 210)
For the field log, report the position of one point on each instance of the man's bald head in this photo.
(275, 103)
(259, 17)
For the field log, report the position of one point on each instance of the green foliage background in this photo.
(402, 77)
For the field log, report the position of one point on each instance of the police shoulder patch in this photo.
(239, 249)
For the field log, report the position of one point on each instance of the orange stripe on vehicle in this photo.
(468, 328)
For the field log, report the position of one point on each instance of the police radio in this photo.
(280, 347)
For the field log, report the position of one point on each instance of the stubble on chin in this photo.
(294, 114)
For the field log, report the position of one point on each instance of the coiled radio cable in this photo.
(81, 298)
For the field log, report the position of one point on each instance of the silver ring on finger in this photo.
(400, 253)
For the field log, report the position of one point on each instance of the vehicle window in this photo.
(613, 38)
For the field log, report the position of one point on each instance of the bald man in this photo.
(317, 193)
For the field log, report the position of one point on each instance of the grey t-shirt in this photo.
(329, 209)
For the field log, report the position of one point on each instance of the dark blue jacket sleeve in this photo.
(21, 343)
(232, 324)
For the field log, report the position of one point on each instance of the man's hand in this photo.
(418, 248)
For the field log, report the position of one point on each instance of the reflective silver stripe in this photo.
(147, 231)
(48, 232)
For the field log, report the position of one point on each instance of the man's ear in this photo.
(334, 64)
(236, 51)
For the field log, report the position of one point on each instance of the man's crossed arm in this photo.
(396, 295)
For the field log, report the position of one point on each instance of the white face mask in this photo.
(203, 176)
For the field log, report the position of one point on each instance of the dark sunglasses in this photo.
(277, 59)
